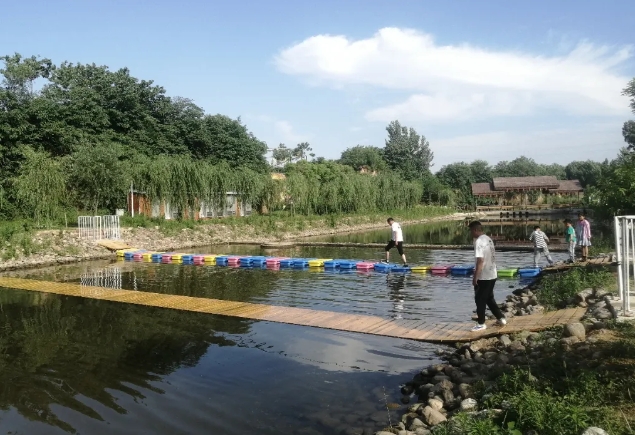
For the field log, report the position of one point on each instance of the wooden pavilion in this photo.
(519, 190)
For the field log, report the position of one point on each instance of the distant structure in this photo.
(511, 191)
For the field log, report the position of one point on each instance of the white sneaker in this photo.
(502, 321)
(478, 327)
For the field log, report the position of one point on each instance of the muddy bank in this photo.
(65, 246)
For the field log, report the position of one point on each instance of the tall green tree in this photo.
(360, 156)
(301, 151)
(519, 167)
(628, 131)
(587, 172)
(282, 154)
(407, 152)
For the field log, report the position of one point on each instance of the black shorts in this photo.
(392, 244)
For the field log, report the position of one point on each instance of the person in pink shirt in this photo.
(583, 234)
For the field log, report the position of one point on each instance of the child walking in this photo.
(570, 239)
(583, 233)
(540, 240)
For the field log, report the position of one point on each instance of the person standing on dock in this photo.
(569, 237)
(583, 233)
(396, 240)
(540, 240)
(485, 275)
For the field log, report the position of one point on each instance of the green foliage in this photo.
(615, 189)
(367, 157)
(628, 131)
(40, 186)
(557, 289)
(588, 172)
(407, 152)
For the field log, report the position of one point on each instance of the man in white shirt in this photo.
(485, 275)
(396, 240)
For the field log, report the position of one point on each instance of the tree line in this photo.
(76, 136)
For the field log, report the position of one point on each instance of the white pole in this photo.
(131, 200)
(618, 251)
(625, 264)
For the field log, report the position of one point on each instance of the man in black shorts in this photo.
(396, 239)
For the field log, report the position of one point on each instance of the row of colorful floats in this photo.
(308, 263)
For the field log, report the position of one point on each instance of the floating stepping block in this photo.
(348, 264)
(319, 262)
(383, 267)
(222, 260)
(130, 254)
(274, 261)
(259, 261)
(441, 269)
(301, 263)
(464, 269)
(365, 266)
(398, 268)
(287, 262)
(122, 252)
(529, 272)
(149, 255)
(332, 264)
(420, 269)
(187, 257)
(507, 272)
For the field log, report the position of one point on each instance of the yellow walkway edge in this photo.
(407, 329)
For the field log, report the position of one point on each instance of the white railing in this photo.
(625, 250)
(99, 227)
(108, 278)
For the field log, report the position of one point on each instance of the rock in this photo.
(600, 293)
(433, 417)
(569, 341)
(448, 396)
(415, 407)
(445, 385)
(439, 378)
(584, 294)
(465, 390)
(405, 400)
(416, 423)
(383, 432)
(435, 404)
(517, 346)
(595, 431)
(422, 431)
(575, 330)
(583, 304)
(599, 325)
(407, 390)
(468, 405)
(505, 340)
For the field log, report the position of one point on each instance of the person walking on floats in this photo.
(583, 234)
(569, 237)
(540, 240)
(396, 240)
(485, 275)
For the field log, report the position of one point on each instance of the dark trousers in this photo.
(484, 297)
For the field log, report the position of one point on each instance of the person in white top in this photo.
(485, 275)
(396, 240)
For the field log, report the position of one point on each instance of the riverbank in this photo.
(46, 248)
(569, 380)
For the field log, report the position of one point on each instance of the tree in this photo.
(629, 126)
(407, 152)
(301, 150)
(40, 186)
(615, 189)
(98, 177)
(282, 154)
(587, 172)
(360, 156)
(520, 167)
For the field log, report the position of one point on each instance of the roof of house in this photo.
(569, 186)
(541, 182)
(550, 183)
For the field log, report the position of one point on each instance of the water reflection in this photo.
(396, 285)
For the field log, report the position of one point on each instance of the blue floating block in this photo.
(257, 262)
(384, 267)
(130, 255)
(400, 269)
(221, 260)
(157, 256)
(348, 264)
(332, 264)
(288, 262)
(529, 272)
(465, 269)
(245, 261)
(187, 257)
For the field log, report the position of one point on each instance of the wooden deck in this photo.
(113, 245)
(421, 330)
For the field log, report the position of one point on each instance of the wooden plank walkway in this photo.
(422, 330)
(113, 245)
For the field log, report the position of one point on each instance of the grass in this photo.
(279, 223)
(561, 394)
(557, 289)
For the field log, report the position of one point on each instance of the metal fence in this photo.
(99, 227)
(108, 278)
(625, 249)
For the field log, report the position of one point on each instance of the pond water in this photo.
(72, 365)
(456, 233)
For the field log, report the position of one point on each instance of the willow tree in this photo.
(40, 186)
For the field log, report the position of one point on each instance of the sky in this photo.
(486, 80)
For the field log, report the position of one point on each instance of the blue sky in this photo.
(478, 79)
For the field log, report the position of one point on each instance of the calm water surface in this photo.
(72, 365)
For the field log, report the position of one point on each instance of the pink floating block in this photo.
(138, 256)
(233, 261)
(365, 265)
(198, 258)
(166, 258)
(274, 260)
(441, 268)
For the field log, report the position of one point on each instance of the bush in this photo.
(557, 289)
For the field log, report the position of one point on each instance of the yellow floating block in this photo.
(318, 262)
(210, 259)
(148, 255)
(177, 257)
(421, 269)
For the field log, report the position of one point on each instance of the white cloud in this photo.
(456, 82)
(286, 132)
